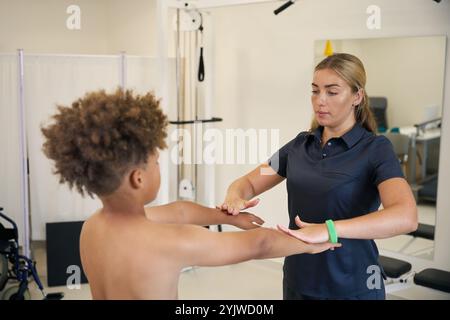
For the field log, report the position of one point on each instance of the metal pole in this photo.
(207, 40)
(24, 158)
(178, 84)
(123, 70)
(163, 89)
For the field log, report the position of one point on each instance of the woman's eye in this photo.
(315, 92)
(332, 93)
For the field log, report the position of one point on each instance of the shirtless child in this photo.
(107, 145)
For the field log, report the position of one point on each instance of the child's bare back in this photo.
(128, 258)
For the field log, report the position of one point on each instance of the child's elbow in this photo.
(264, 244)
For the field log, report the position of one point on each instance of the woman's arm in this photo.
(185, 212)
(245, 188)
(398, 216)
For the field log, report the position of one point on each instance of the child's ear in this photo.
(136, 179)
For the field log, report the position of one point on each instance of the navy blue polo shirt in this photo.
(337, 181)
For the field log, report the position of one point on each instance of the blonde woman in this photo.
(337, 175)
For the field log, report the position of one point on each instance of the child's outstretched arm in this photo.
(196, 246)
(186, 212)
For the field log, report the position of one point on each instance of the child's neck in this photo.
(122, 204)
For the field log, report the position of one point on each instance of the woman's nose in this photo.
(321, 99)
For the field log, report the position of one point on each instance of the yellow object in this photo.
(328, 49)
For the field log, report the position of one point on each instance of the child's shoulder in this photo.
(91, 220)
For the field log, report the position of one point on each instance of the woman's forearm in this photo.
(385, 223)
(241, 188)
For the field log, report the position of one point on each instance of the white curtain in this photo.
(52, 80)
(10, 170)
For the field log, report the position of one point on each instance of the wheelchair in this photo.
(16, 269)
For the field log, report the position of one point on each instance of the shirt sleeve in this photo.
(385, 162)
(278, 161)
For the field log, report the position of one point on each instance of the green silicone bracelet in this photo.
(332, 231)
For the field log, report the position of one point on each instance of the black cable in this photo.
(284, 7)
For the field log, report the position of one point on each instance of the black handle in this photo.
(213, 119)
(201, 67)
(283, 7)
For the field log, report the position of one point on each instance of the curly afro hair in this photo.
(102, 136)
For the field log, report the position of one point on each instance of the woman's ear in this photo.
(359, 97)
(136, 179)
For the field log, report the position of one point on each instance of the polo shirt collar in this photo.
(354, 135)
(350, 138)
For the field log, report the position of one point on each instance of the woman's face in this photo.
(333, 100)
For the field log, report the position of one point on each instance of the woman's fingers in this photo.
(224, 207)
(320, 247)
(283, 228)
(290, 232)
(241, 205)
(251, 203)
(300, 223)
(234, 207)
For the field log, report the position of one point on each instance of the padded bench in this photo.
(434, 279)
(394, 268)
(430, 278)
(425, 231)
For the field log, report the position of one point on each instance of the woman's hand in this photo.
(314, 248)
(233, 205)
(246, 221)
(308, 232)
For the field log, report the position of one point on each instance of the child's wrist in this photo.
(224, 217)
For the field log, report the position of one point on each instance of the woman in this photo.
(336, 174)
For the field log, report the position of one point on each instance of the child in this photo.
(107, 145)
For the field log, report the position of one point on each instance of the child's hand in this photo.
(246, 221)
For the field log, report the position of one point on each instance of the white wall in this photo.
(107, 26)
(131, 26)
(40, 27)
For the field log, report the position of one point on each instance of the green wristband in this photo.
(332, 231)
